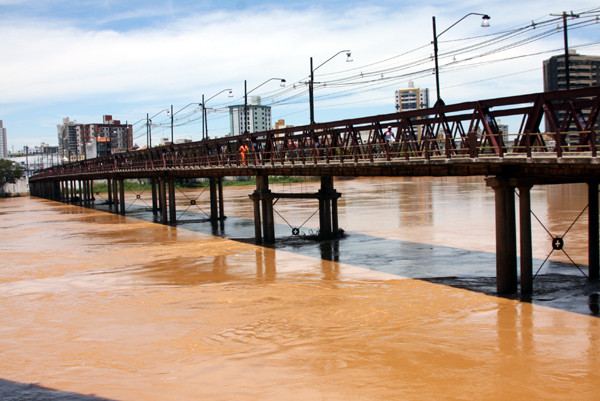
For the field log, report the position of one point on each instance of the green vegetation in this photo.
(10, 172)
(142, 184)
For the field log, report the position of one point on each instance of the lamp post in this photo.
(204, 119)
(173, 115)
(246, 92)
(149, 126)
(312, 80)
(485, 23)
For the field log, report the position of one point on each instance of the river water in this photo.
(99, 306)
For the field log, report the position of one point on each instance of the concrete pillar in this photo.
(525, 239)
(115, 191)
(325, 206)
(86, 192)
(172, 205)
(221, 205)
(268, 220)
(80, 190)
(109, 194)
(213, 199)
(257, 221)
(122, 196)
(593, 230)
(154, 196)
(162, 195)
(506, 258)
(334, 215)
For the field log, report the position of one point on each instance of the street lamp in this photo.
(246, 99)
(312, 80)
(485, 23)
(149, 126)
(204, 119)
(173, 115)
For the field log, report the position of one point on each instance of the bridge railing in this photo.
(465, 130)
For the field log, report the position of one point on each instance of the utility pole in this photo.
(566, 41)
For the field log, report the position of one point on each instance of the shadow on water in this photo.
(13, 391)
(559, 285)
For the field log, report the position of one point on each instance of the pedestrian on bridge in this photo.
(389, 135)
(243, 151)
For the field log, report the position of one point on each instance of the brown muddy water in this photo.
(98, 306)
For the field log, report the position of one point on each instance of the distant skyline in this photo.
(84, 59)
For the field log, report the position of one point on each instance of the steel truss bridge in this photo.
(555, 143)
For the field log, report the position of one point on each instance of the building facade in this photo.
(412, 98)
(76, 141)
(584, 71)
(3, 142)
(258, 117)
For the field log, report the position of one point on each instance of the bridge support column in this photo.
(122, 196)
(257, 222)
(153, 184)
(162, 196)
(328, 219)
(593, 231)
(221, 204)
(263, 205)
(506, 247)
(80, 190)
(109, 191)
(213, 199)
(115, 192)
(268, 220)
(172, 205)
(86, 192)
(525, 238)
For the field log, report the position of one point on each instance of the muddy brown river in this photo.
(96, 306)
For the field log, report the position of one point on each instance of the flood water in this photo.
(97, 306)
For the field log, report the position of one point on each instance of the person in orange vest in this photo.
(243, 151)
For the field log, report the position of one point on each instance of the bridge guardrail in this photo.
(468, 129)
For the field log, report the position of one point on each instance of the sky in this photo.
(132, 59)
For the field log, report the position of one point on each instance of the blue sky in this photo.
(84, 59)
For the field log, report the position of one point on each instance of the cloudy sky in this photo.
(129, 58)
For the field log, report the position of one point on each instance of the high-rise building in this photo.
(3, 142)
(68, 141)
(412, 98)
(258, 117)
(73, 138)
(584, 71)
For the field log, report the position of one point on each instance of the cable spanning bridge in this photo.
(555, 143)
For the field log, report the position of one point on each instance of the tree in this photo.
(10, 172)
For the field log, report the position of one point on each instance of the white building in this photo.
(258, 117)
(3, 142)
(412, 98)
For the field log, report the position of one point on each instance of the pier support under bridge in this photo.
(264, 223)
(506, 233)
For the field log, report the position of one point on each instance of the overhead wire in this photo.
(380, 74)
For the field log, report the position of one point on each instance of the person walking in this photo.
(243, 151)
(389, 135)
